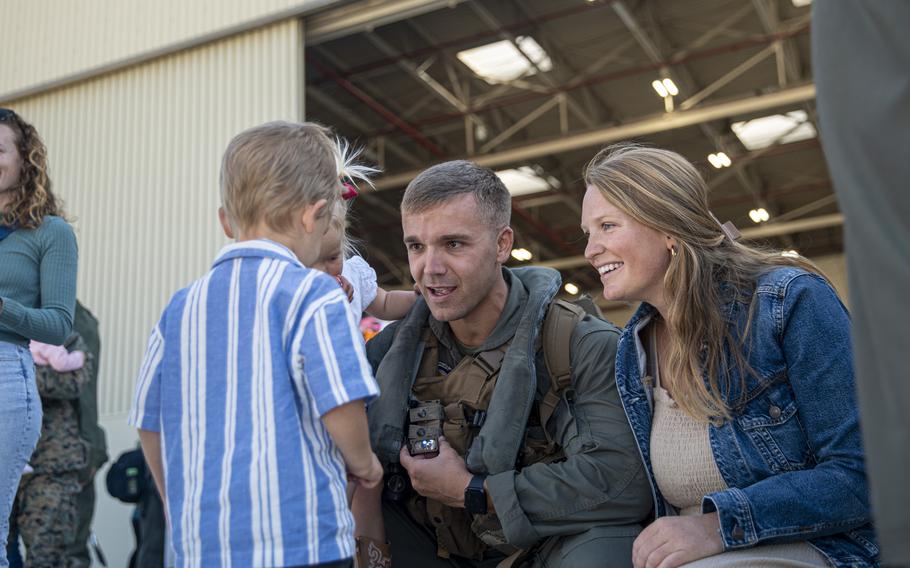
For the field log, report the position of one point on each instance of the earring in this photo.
(673, 251)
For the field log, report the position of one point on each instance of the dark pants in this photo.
(13, 556)
(149, 526)
(414, 546)
(861, 61)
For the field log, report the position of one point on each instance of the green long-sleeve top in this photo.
(38, 283)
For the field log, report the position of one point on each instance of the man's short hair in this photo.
(273, 170)
(443, 182)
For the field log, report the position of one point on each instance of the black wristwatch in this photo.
(475, 496)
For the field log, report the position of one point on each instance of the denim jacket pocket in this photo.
(771, 424)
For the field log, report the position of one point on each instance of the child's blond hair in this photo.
(273, 170)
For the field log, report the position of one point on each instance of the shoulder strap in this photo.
(556, 339)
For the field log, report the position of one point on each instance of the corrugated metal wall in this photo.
(47, 39)
(135, 156)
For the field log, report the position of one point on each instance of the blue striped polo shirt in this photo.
(236, 375)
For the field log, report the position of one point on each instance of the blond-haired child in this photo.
(250, 400)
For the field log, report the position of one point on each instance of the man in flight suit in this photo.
(509, 483)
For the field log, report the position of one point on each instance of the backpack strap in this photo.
(556, 339)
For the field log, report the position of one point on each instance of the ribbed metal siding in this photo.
(135, 156)
(47, 39)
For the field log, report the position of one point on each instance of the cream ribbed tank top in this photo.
(681, 456)
(685, 471)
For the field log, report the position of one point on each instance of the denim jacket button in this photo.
(774, 411)
(738, 532)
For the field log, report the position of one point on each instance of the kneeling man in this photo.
(504, 438)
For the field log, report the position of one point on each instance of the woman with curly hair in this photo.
(37, 294)
(736, 375)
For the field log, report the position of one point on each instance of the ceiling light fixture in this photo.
(759, 215)
(571, 288)
(522, 254)
(720, 160)
(665, 87)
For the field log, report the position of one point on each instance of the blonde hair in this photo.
(339, 221)
(273, 170)
(32, 197)
(663, 191)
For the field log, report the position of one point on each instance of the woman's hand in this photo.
(673, 541)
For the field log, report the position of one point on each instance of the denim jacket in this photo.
(791, 454)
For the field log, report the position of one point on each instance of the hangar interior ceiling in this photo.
(570, 76)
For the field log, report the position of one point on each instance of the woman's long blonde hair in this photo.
(32, 197)
(663, 191)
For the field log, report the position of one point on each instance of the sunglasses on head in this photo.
(6, 114)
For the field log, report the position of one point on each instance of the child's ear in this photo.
(311, 214)
(225, 223)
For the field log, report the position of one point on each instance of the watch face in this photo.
(475, 498)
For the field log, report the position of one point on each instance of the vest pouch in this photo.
(453, 531)
(424, 427)
(489, 530)
(457, 429)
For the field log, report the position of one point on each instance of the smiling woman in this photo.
(735, 373)
(37, 293)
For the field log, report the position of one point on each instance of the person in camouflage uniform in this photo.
(86, 324)
(45, 507)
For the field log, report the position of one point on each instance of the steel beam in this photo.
(377, 107)
(727, 77)
(787, 66)
(683, 79)
(504, 33)
(367, 15)
(520, 125)
(354, 120)
(642, 127)
(714, 32)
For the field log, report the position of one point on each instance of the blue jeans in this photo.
(20, 426)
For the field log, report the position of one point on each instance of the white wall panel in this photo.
(48, 39)
(135, 156)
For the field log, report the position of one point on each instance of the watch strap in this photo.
(475, 495)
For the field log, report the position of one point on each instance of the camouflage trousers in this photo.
(45, 510)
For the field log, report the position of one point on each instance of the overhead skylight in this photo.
(501, 61)
(525, 180)
(781, 128)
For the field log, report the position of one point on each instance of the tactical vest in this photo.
(465, 394)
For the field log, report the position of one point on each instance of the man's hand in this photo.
(346, 286)
(673, 541)
(442, 478)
